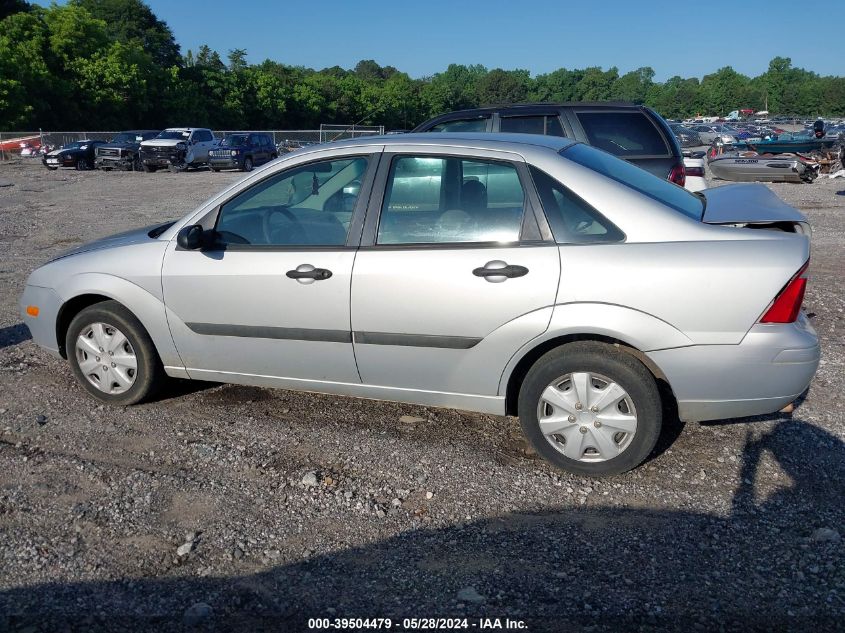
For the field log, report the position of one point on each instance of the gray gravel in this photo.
(227, 507)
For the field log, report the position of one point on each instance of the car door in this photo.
(254, 142)
(268, 298)
(453, 275)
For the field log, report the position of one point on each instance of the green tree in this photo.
(503, 86)
(633, 86)
(26, 79)
(133, 20)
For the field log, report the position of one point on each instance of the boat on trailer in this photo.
(16, 144)
(750, 167)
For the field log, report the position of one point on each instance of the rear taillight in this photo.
(678, 175)
(694, 171)
(787, 304)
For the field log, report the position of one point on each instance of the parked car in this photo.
(488, 272)
(694, 166)
(287, 146)
(633, 132)
(78, 154)
(122, 152)
(178, 149)
(686, 136)
(242, 151)
(714, 133)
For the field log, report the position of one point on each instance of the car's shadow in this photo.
(754, 567)
(14, 334)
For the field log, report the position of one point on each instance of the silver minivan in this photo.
(506, 274)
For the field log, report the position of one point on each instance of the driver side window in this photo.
(308, 205)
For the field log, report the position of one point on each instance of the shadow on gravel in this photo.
(14, 334)
(757, 568)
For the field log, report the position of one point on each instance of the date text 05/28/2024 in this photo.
(418, 624)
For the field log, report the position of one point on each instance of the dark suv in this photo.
(242, 150)
(633, 132)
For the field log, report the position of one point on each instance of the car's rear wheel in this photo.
(149, 168)
(112, 355)
(590, 409)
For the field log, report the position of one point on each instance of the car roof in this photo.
(548, 104)
(476, 140)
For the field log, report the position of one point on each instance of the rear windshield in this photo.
(623, 133)
(638, 179)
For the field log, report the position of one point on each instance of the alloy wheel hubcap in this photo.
(587, 417)
(106, 358)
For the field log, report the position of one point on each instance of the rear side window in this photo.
(523, 124)
(451, 200)
(462, 125)
(534, 124)
(573, 221)
(623, 133)
(638, 179)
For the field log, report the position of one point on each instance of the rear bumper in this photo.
(770, 368)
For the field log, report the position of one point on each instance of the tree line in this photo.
(112, 64)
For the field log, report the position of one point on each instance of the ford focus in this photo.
(506, 274)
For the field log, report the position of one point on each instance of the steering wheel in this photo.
(297, 234)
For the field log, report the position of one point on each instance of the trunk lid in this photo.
(748, 204)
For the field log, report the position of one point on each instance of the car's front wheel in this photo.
(248, 164)
(590, 409)
(112, 354)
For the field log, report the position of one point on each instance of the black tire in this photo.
(215, 169)
(273, 156)
(618, 366)
(149, 375)
(247, 165)
(149, 168)
(52, 168)
(82, 165)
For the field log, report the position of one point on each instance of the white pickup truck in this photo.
(178, 148)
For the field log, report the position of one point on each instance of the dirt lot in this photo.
(290, 506)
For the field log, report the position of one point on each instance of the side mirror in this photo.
(191, 237)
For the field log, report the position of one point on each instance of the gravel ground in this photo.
(226, 507)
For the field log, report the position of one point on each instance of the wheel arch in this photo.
(68, 310)
(90, 289)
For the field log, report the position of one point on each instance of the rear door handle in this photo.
(498, 271)
(308, 274)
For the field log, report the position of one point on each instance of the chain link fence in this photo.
(13, 143)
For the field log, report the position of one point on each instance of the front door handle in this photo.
(308, 274)
(498, 271)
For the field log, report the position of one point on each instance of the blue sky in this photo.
(422, 38)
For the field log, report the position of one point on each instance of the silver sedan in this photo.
(504, 274)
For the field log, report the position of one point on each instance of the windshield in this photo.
(234, 140)
(76, 145)
(126, 137)
(174, 134)
(638, 179)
